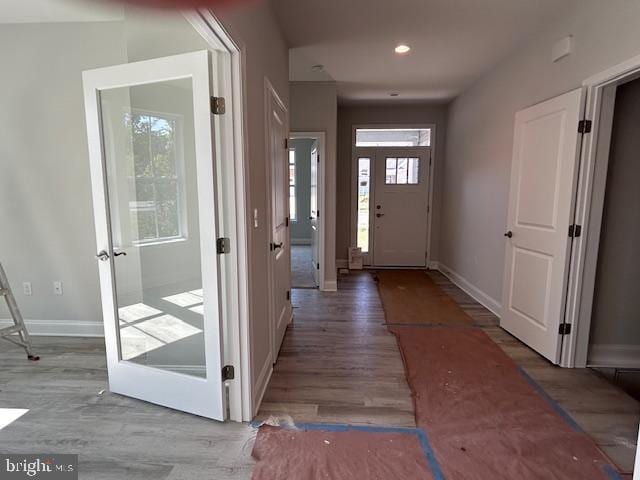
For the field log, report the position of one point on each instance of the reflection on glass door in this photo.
(153, 207)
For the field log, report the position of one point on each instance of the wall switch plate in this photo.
(57, 287)
(26, 288)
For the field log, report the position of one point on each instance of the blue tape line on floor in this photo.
(343, 427)
(611, 472)
(558, 409)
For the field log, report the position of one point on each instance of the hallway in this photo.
(339, 364)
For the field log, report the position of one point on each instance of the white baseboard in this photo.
(487, 301)
(433, 266)
(342, 263)
(614, 356)
(59, 328)
(330, 286)
(261, 384)
(300, 241)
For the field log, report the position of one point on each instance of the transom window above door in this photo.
(393, 137)
(401, 171)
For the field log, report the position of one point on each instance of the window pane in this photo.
(162, 143)
(402, 171)
(413, 170)
(292, 203)
(393, 137)
(140, 143)
(292, 182)
(364, 187)
(391, 172)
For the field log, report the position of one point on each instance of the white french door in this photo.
(399, 212)
(150, 132)
(541, 201)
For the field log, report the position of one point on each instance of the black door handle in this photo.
(379, 215)
(117, 254)
(276, 246)
(509, 234)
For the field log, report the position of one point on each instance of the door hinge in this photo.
(228, 373)
(286, 144)
(218, 106)
(584, 126)
(575, 230)
(288, 295)
(318, 158)
(317, 213)
(317, 266)
(223, 245)
(564, 329)
(286, 221)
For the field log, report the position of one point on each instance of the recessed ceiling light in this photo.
(317, 68)
(394, 94)
(402, 49)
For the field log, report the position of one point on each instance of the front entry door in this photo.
(280, 250)
(400, 207)
(543, 179)
(151, 151)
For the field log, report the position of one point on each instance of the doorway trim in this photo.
(322, 198)
(592, 178)
(234, 192)
(356, 153)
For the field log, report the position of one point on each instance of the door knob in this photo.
(379, 215)
(103, 256)
(509, 234)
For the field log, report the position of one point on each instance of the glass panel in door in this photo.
(150, 163)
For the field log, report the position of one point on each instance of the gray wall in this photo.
(616, 305)
(398, 114)
(301, 228)
(480, 130)
(266, 55)
(46, 213)
(314, 108)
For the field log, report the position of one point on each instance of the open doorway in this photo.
(614, 336)
(305, 199)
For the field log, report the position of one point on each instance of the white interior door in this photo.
(544, 169)
(401, 198)
(277, 131)
(313, 218)
(151, 150)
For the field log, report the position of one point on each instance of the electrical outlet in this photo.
(57, 287)
(26, 288)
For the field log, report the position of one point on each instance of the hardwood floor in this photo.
(338, 362)
(115, 437)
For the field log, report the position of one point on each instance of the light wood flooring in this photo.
(338, 364)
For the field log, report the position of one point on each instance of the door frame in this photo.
(233, 193)
(357, 152)
(589, 209)
(322, 203)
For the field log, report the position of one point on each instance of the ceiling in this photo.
(46, 11)
(453, 42)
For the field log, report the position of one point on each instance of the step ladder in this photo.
(8, 333)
